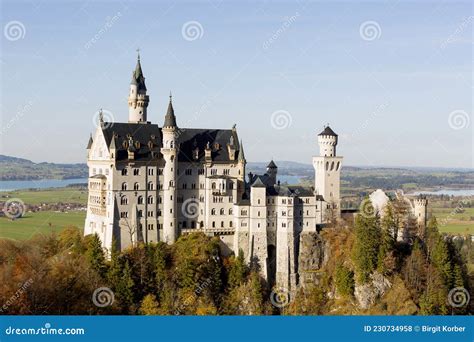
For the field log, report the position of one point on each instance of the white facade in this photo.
(149, 184)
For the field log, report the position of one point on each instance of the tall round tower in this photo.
(327, 167)
(137, 98)
(420, 210)
(170, 154)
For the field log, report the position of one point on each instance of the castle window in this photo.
(193, 224)
(213, 211)
(185, 185)
(327, 166)
(201, 198)
(283, 213)
(189, 172)
(159, 200)
(332, 166)
(222, 224)
(193, 186)
(158, 213)
(230, 224)
(222, 211)
(283, 201)
(124, 172)
(160, 172)
(150, 186)
(213, 186)
(124, 200)
(136, 186)
(150, 226)
(283, 224)
(231, 186)
(213, 172)
(213, 224)
(201, 185)
(124, 214)
(201, 171)
(230, 211)
(150, 200)
(150, 214)
(140, 200)
(136, 172)
(140, 213)
(258, 201)
(202, 224)
(124, 186)
(338, 165)
(258, 213)
(150, 172)
(185, 224)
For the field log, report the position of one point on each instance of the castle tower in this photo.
(272, 171)
(137, 97)
(420, 210)
(170, 154)
(327, 168)
(258, 227)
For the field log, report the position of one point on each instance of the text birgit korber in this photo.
(442, 328)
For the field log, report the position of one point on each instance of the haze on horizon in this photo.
(394, 80)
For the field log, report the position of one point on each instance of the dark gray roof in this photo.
(241, 156)
(328, 131)
(137, 76)
(148, 137)
(258, 184)
(170, 118)
(195, 139)
(272, 165)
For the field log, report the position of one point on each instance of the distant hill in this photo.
(12, 168)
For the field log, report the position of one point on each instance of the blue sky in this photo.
(392, 78)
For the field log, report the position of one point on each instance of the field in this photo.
(454, 221)
(40, 222)
(56, 195)
(43, 221)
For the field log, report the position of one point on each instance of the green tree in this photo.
(344, 279)
(238, 271)
(365, 250)
(95, 255)
(124, 289)
(149, 305)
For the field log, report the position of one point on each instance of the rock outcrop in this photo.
(367, 294)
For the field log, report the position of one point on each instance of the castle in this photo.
(149, 183)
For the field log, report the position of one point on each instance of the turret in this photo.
(327, 141)
(137, 97)
(420, 210)
(272, 171)
(327, 168)
(170, 154)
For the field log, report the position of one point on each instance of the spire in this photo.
(137, 77)
(272, 165)
(241, 152)
(170, 118)
(89, 144)
(112, 145)
(328, 131)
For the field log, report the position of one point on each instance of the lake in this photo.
(59, 183)
(448, 192)
(39, 184)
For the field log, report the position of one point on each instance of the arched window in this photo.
(338, 165)
(150, 200)
(213, 186)
(123, 200)
(222, 224)
(327, 166)
(136, 172)
(193, 224)
(332, 166)
(159, 200)
(124, 186)
(124, 172)
(222, 211)
(202, 224)
(230, 224)
(213, 224)
(213, 211)
(150, 186)
(230, 211)
(140, 200)
(136, 186)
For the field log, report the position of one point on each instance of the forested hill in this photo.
(12, 168)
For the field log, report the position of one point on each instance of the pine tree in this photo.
(95, 255)
(124, 288)
(238, 271)
(365, 250)
(344, 279)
